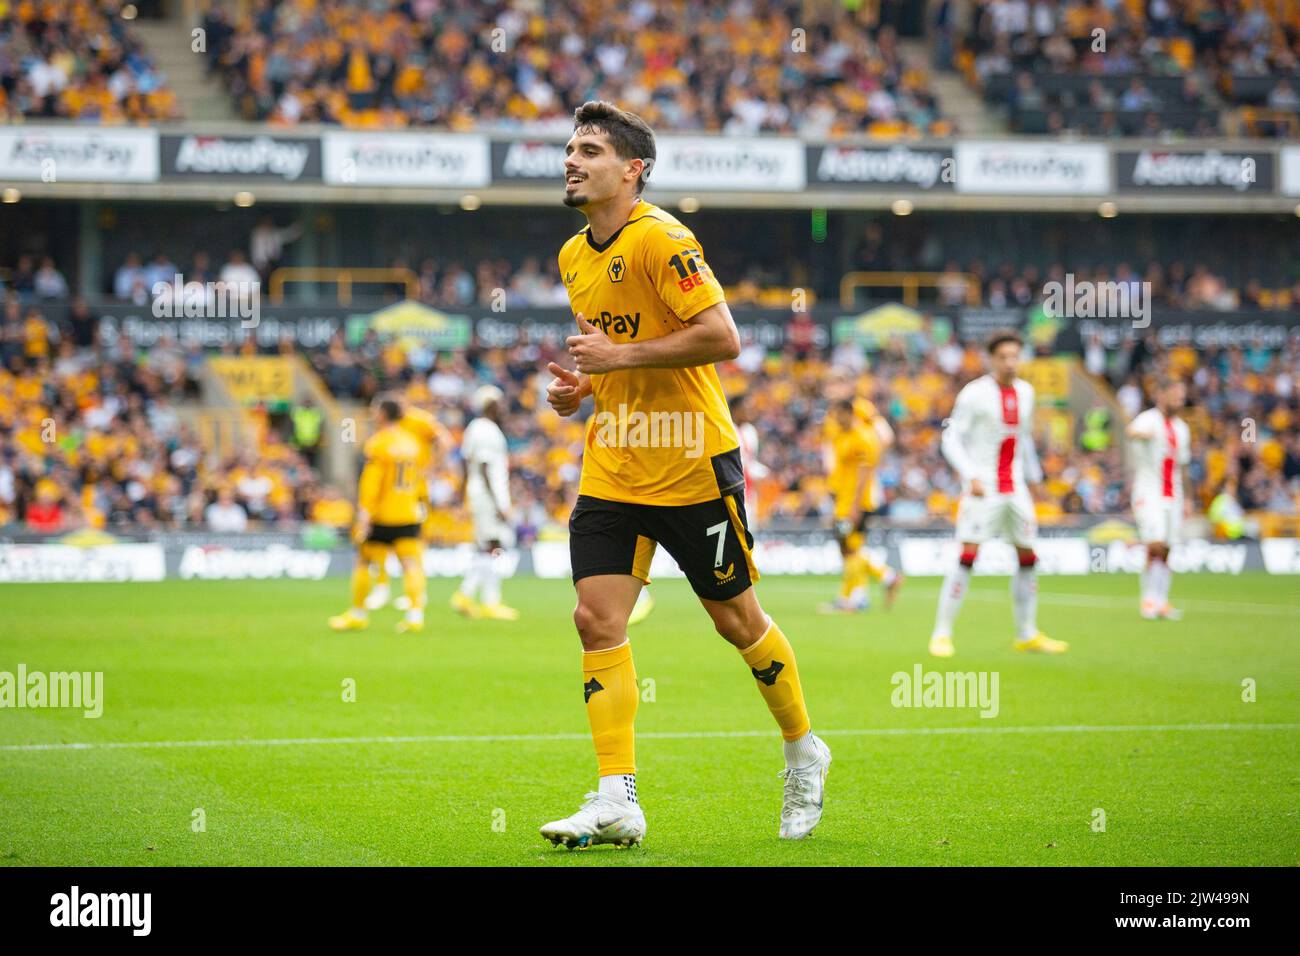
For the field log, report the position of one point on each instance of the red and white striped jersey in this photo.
(1161, 448)
(990, 435)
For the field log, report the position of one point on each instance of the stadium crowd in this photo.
(102, 436)
(535, 282)
(1115, 68)
(745, 67)
(80, 60)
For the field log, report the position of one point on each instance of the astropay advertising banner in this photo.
(42, 154)
(1016, 169)
(406, 159)
(691, 162)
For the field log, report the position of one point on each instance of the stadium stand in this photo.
(1133, 68)
(78, 60)
(738, 68)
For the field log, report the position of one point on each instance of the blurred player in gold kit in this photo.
(857, 435)
(434, 441)
(390, 511)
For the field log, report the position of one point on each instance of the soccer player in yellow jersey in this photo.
(389, 513)
(661, 466)
(857, 436)
(433, 441)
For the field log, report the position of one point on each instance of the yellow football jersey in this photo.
(853, 449)
(427, 431)
(659, 436)
(389, 489)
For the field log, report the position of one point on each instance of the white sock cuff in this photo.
(767, 630)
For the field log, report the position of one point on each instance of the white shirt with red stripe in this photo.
(990, 436)
(1161, 448)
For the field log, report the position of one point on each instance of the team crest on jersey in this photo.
(617, 269)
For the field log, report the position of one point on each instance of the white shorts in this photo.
(1159, 520)
(1009, 517)
(487, 526)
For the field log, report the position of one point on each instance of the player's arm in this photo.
(708, 336)
(1141, 428)
(859, 490)
(1028, 450)
(675, 268)
(502, 511)
(884, 431)
(368, 490)
(952, 441)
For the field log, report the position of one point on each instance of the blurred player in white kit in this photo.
(487, 496)
(1162, 447)
(989, 443)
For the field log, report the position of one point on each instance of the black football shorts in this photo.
(710, 542)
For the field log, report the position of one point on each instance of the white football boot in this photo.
(378, 597)
(598, 820)
(804, 789)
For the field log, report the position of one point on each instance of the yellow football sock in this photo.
(381, 574)
(873, 568)
(771, 661)
(610, 688)
(855, 574)
(360, 583)
(414, 583)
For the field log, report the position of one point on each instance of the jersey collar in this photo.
(602, 246)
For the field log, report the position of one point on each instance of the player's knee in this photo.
(740, 624)
(597, 627)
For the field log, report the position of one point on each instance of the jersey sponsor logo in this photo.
(617, 269)
(768, 674)
(615, 324)
(690, 268)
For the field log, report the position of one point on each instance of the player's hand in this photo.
(593, 350)
(977, 488)
(566, 391)
(361, 530)
(1187, 508)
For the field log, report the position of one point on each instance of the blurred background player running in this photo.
(856, 436)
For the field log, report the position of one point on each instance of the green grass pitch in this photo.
(251, 669)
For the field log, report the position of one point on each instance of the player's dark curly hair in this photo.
(1000, 336)
(629, 134)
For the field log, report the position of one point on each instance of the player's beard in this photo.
(575, 199)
